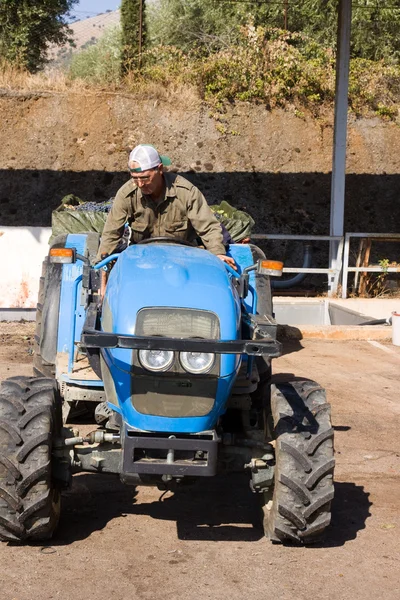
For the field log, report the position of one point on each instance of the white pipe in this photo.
(396, 328)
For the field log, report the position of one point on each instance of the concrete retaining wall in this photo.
(22, 250)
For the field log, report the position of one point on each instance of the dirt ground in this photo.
(204, 542)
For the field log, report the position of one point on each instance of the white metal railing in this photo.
(332, 273)
(373, 269)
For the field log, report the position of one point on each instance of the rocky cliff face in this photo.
(272, 164)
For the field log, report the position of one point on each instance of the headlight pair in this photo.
(161, 360)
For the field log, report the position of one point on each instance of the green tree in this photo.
(375, 25)
(376, 30)
(194, 23)
(28, 26)
(130, 25)
(191, 23)
(99, 62)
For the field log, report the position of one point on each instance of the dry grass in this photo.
(13, 78)
(185, 95)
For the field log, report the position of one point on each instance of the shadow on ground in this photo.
(350, 511)
(217, 509)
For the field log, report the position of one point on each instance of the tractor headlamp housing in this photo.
(156, 360)
(197, 362)
(177, 323)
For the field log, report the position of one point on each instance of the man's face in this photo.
(150, 181)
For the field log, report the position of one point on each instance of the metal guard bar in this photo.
(99, 339)
(95, 338)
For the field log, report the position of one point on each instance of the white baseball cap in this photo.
(147, 157)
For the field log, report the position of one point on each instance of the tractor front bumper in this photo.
(176, 455)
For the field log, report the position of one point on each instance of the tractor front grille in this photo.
(177, 322)
(173, 397)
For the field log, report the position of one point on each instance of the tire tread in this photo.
(29, 499)
(299, 510)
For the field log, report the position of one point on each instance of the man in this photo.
(157, 203)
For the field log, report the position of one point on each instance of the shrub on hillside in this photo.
(270, 68)
(275, 67)
(374, 85)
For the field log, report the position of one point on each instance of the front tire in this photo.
(29, 498)
(298, 510)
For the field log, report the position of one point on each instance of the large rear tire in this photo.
(298, 509)
(29, 497)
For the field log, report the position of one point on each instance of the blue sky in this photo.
(90, 8)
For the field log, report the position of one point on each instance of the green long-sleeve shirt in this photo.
(183, 214)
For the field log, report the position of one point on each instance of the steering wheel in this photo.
(164, 239)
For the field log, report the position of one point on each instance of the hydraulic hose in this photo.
(284, 284)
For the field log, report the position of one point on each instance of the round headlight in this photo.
(156, 360)
(197, 362)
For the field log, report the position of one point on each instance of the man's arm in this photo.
(205, 223)
(114, 227)
(207, 226)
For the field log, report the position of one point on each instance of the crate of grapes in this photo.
(77, 216)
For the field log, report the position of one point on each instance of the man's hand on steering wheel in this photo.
(228, 259)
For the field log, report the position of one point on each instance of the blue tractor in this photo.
(172, 350)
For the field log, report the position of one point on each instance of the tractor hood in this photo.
(170, 275)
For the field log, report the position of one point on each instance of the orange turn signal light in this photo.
(270, 267)
(62, 255)
(274, 265)
(62, 252)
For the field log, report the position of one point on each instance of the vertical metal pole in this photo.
(340, 127)
(285, 13)
(345, 265)
(140, 32)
